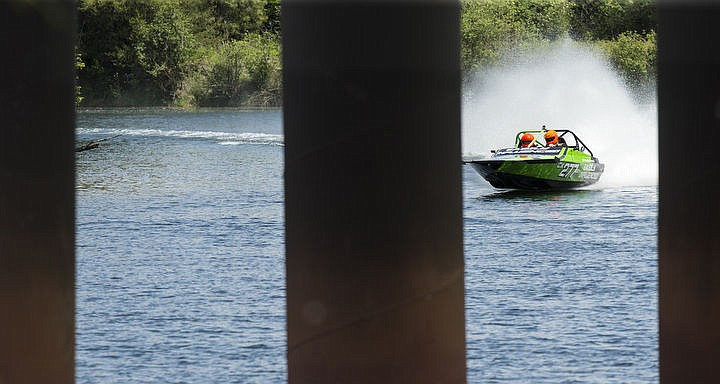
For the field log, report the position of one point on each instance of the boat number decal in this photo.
(589, 167)
(567, 170)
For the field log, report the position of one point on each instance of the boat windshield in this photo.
(536, 151)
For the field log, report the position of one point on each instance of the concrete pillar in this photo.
(373, 192)
(689, 230)
(37, 189)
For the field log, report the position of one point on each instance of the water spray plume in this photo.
(567, 86)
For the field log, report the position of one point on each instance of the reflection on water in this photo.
(520, 195)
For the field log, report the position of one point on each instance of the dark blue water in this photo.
(180, 262)
(180, 273)
(561, 287)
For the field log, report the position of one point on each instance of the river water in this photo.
(180, 262)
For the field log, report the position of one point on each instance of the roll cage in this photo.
(565, 136)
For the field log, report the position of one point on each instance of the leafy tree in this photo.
(227, 52)
(606, 19)
(640, 16)
(146, 52)
(225, 20)
(272, 24)
(490, 28)
(104, 32)
(546, 19)
(79, 64)
(161, 43)
(134, 50)
(634, 55)
(487, 29)
(596, 19)
(237, 73)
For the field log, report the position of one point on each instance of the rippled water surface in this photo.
(180, 262)
(561, 286)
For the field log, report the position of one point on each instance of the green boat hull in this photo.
(540, 168)
(549, 174)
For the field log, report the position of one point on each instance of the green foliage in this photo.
(546, 19)
(490, 28)
(606, 19)
(272, 24)
(596, 19)
(227, 52)
(622, 29)
(134, 50)
(224, 20)
(633, 55)
(104, 32)
(486, 31)
(241, 72)
(640, 16)
(79, 64)
(146, 52)
(162, 43)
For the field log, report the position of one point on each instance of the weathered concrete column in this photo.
(373, 192)
(37, 189)
(689, 213)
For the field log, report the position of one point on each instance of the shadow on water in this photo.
(544, 195)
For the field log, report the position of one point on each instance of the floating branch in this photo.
(93, 144)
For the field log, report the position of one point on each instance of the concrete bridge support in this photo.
(373, 196)
(37, 191)
(688, 226)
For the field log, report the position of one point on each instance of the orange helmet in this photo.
(551, 137)
(526, 139)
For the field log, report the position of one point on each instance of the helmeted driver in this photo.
(551, 138)
(526, 140)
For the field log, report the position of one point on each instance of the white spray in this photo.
(566, 87)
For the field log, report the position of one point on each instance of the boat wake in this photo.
(223, 138)
(567, 87)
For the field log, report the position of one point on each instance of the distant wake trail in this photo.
(225, 138)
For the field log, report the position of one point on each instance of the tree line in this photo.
(218, 53)
(179, 52)
(621, 30)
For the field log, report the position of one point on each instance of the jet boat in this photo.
(568, 165)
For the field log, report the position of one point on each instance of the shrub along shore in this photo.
(227, 53)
